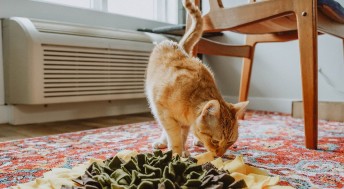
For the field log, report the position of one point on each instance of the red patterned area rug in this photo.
(271, 141)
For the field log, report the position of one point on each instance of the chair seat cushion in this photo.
(332, 9)
(177, 30)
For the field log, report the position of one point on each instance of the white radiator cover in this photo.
(49, 62)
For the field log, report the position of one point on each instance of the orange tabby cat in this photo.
(182, 94)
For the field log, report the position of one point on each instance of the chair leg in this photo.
(246, 72)
(307, 31)
(245, 79)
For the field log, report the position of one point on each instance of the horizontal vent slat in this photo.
(91, 59)
(93, 88)
(83, 67)
(103, 63)
(95, 92)
(99, 84)
(93, 54)
(90, 50)
(95, 72)
(102, 56)
(93, 80)
(118, 95)
(92, 76)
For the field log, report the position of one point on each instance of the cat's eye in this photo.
(215, 142)
(205, 134)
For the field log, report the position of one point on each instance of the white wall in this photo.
(276, 76)
(34, 9)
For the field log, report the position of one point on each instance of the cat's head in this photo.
(217, 126)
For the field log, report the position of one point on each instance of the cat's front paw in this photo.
(185, 154)
(197, 142)
(159, 145)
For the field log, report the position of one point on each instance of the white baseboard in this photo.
(267, 104)
(4, 114)
(25, 114)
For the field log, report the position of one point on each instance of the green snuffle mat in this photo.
(154, 170)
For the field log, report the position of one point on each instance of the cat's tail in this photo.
(194, 33)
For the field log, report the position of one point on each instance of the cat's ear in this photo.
(240, 108)
(211, 109)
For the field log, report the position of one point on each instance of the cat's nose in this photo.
(219, 153)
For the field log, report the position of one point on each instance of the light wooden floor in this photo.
(13, 132)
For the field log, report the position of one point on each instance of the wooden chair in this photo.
(274, 21)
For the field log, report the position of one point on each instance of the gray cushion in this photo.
(332, 9)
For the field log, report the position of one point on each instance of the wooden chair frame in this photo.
(273, 21)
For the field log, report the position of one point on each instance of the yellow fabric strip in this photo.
(255, 178)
